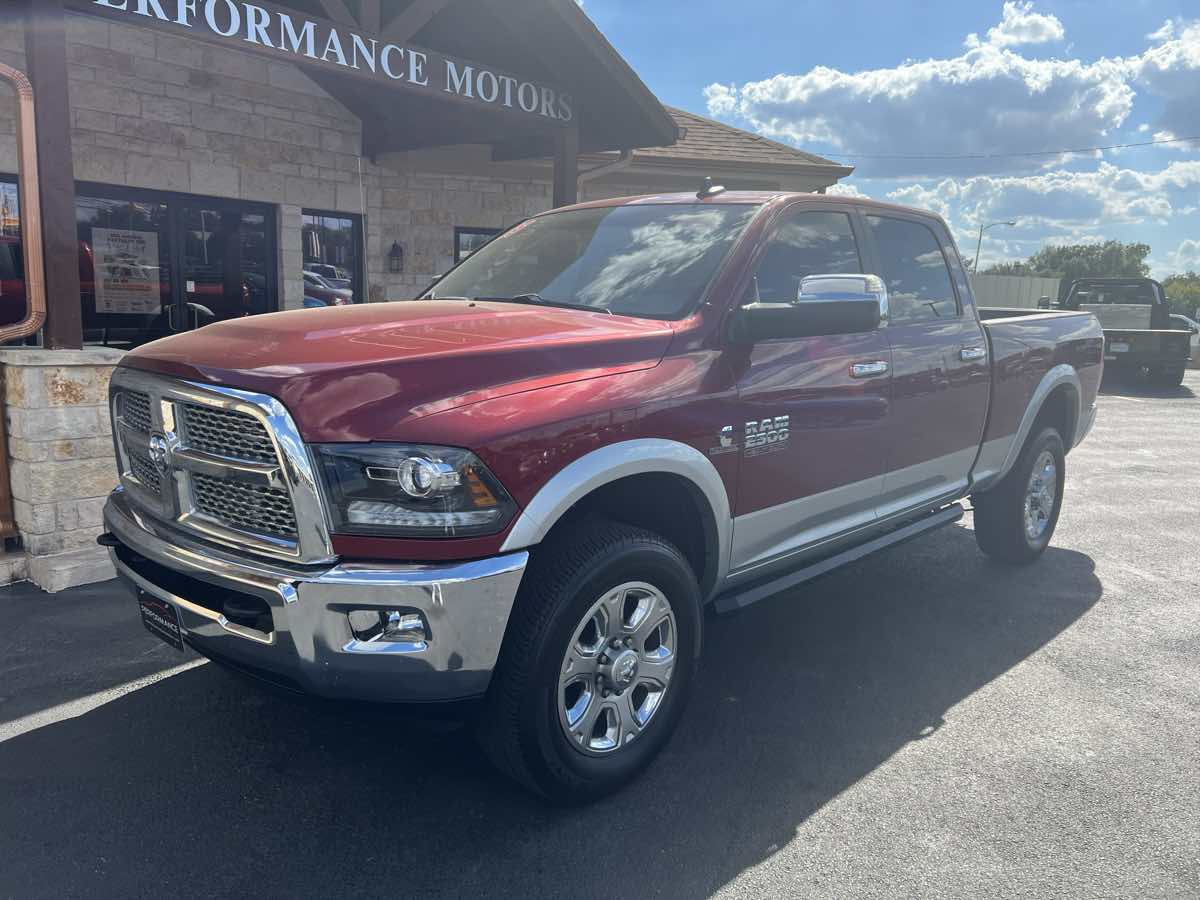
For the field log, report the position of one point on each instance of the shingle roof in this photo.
(706, 139)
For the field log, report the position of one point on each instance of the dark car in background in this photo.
(1139, 336)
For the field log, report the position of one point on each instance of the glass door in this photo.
(225, 265)
(125, 265)
(153, 263)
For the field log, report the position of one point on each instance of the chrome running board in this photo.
(741, 597)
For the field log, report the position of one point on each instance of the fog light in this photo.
(393, 626)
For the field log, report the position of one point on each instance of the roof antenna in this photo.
(709, 189)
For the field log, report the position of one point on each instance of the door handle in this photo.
(971, 354)
(869, 369)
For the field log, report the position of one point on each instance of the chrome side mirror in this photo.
(845, 286)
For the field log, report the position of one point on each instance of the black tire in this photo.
(1000, 512)
(519, 727)
(1167, 377)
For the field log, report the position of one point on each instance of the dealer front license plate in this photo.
(1118, 347)
(161, 619)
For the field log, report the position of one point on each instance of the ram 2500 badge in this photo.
(525, 487)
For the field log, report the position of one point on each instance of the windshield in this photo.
(653, 261)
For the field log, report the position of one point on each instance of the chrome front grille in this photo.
(224, 464)
(226, 432)
(135, 410)
(141, 468)
(262, 510)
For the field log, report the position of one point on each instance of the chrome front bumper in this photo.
(310, 645)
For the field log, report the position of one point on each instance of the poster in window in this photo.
(127, 273)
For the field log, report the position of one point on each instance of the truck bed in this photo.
(1025, 345)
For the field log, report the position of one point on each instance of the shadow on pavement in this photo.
(201, 784)
(1125, 385)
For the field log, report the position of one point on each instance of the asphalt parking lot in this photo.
(924, 723)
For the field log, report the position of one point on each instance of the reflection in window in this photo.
(331, 245)
(918, 281)
(809, 243)
(654, 260)
(468, 240)
(12, 262)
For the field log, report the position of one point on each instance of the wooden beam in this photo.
(369, 16)
(405, 25)
(566, 166)
(339, 12)
(46, 56)
(534, 147)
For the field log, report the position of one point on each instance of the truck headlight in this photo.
(411, 490)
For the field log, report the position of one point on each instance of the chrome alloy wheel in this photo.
(617, 668)
(1039, 497)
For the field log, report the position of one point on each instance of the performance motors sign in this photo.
(289, 34)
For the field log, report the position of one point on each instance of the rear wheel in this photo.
(597, 662)
(1168, 377)
(1015, 520)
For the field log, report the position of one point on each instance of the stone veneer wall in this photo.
(61, 459)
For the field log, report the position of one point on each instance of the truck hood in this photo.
(360, 373)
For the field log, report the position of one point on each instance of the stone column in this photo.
(61, 459)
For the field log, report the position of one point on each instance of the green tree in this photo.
(1184, 293)
(1110, 259)
(1008, 268)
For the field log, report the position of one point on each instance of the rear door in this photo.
(940, 368)
(814, 436)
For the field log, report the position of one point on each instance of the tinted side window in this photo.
(808, 243)
(914, 269)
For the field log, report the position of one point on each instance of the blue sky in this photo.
(854, 79)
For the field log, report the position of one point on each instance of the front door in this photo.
(940, 369)
(153, 263)
(226, 260)
(814, 454)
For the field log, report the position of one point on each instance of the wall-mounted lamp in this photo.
(396, 258)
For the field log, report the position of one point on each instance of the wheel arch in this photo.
(1056, 400)
(633, 470)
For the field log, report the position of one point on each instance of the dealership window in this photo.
(332, 244)
(154, 263)
(468, 240)
(12, 263)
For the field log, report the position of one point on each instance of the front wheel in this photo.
(1015, 520)
(597, 662)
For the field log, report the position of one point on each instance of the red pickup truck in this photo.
(526, 486)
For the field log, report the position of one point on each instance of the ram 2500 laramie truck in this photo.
(526, 486)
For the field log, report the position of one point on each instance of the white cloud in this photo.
(1170, 70)
(1021, 25)
(1074, 201)
(990, 100)
(1186, 257)
(722, 99)
(843, 189)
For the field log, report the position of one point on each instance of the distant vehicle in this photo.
(335, 277)
(319, 292)
(1183, 322)
(1139, 336)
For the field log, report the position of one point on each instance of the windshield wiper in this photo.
(537, 299)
